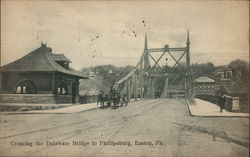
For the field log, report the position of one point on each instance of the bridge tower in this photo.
(189, 91)
(149, 77)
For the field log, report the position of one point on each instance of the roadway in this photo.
(161, 127)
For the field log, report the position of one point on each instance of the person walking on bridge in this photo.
(100, 98)
(222, 100)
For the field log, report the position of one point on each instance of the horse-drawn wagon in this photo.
(113, 97)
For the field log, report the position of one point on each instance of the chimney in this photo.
(43, 45)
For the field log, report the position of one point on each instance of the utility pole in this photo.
(188, 74)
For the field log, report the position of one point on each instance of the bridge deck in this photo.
(164, 120)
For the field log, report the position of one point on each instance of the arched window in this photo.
(26, 87)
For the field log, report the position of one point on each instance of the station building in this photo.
(40, 77)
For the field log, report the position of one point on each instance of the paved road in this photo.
(143, 128)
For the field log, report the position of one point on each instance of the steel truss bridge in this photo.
(146, 79)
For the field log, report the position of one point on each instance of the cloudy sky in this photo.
(112, 32)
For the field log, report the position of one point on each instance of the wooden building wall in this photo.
(43, 81)
(46, 83)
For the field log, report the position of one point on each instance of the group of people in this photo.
(114, 96)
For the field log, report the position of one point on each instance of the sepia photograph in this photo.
(124, 78)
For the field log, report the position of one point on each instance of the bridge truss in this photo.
(148, 78)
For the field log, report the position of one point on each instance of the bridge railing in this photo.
(132, 83)
(232, 103)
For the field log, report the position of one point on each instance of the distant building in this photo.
(204, 86)
(40, 77)
(90, 74)
(224, 74)
(228, 78)
(110, 72)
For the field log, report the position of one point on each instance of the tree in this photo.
(239, 66)
(204, 68)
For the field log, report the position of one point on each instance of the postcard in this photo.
(124, 78)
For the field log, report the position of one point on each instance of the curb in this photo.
(204, 116)
(28, 112)
(189, 107)
(12, 113)
(220, 116)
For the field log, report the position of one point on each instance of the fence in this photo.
(232, 104)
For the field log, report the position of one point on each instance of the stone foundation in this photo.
(45, 99)
(84, 99)
(63, 99)
(28, 98)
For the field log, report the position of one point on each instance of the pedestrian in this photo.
(100, 97)
(222, 100)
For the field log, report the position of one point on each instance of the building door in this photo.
(73, 93)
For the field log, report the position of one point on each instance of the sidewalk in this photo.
(65, 110)
(206, 109)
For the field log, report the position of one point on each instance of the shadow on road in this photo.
(213, 133)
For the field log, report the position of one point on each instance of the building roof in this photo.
(42, 60)
(60, 57)
(204, 79)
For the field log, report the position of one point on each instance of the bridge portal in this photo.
(164, 71)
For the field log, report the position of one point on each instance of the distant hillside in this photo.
(92, 86)
(105, 77)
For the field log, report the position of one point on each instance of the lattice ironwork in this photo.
(141, 82)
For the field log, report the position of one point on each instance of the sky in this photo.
(112, 32)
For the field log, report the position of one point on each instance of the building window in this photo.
(229, 74)
(18, 90)
(62, 88)
(26, 87)
(63, 64)
(63, 91)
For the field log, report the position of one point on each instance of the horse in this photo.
(101, 99)
(124, 100)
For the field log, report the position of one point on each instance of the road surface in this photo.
(161, 127)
